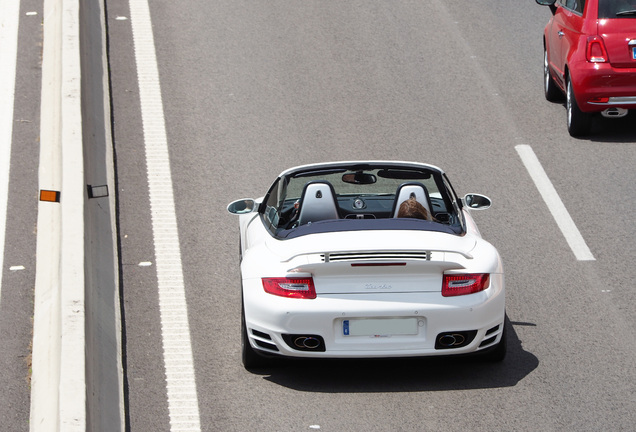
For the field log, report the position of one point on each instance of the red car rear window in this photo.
(617, 9)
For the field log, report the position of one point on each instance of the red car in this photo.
(590, 56)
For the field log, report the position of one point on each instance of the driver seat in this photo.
(408, 190)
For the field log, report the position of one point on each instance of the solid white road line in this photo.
(554, 203)
(9, 19)
(183, 406)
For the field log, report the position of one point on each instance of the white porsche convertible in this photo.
(367, 259)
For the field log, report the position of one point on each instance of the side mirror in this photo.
(242, 206)
(477, 202)
(550, 3)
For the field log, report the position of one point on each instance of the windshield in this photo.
(616, 9)
(303, 201)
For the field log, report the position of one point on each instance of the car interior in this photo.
(360, 198)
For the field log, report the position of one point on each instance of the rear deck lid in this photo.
(379, 276)
(617, 27)
(378, 262)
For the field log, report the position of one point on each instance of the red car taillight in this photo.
(302, 288)
(596, 52)
(462, 284)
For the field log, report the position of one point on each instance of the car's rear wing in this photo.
(420, 261)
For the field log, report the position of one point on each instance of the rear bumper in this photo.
(270, 320)
(599, 86)
(618, 102)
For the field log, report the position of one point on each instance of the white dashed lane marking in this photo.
(555, 205)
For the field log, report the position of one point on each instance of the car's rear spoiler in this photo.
(379, 258)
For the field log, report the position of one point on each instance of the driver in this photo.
(413, 209)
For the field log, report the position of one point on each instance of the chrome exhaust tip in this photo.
(305, 342)
(614, 112)
(450, 340)
(308, 342)
(456, 339)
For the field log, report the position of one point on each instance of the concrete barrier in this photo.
(77, 378)
(105, 388)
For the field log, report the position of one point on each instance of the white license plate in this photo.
(379, 327)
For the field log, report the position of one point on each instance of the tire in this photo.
(579, 122)
(551, 90)
(250, 358)
(497, 353)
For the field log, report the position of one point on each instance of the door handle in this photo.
(560, 33)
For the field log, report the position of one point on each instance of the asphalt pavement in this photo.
(249, 89)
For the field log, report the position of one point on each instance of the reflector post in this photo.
(97, 191)
(49, 195)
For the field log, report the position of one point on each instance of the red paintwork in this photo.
(567, 55)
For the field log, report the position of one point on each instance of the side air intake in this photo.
(366, 256)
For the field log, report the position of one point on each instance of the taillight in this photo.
(462, 284)
(302, 288)
(596, 52)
